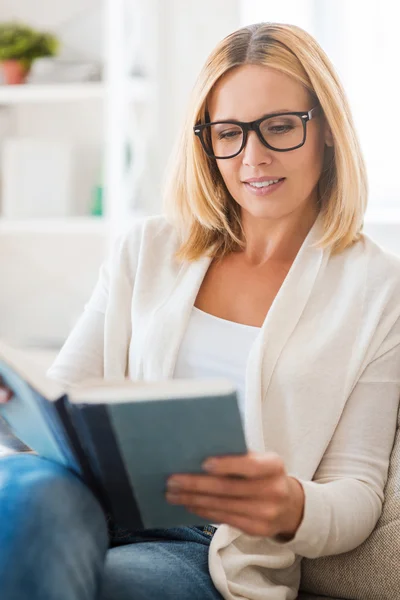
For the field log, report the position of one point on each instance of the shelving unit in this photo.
(124, 101)
(95, 225)
(55, 226)
(137, 89)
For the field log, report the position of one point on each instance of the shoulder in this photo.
(148, 243)
(147, 233)
(362, 285)
(382, 290)
(368, 276)
(369, 264)
(382, 266)
(154, 230)
(377, 293)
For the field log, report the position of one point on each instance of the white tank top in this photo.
(214, 347)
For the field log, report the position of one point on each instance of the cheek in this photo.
(230, 173)
(308, 163)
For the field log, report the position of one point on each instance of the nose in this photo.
(255, 153)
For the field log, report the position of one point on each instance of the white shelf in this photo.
(98, 225)
(137, 89)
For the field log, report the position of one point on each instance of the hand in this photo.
(251, 492)
(5, 393)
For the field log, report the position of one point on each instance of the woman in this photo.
(260, 273)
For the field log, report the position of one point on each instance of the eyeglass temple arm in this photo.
(312, 112)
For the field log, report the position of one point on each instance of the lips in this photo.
(262, 179)
(264, 190)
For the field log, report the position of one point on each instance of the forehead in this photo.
(250, 91)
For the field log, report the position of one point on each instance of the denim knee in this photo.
(53, 532)
(35, 489)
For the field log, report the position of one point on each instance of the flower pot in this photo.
(15, 71)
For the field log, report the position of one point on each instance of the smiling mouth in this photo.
(264, 184)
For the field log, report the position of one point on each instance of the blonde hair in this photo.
(196, 200)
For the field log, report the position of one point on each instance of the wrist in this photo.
(295, 513)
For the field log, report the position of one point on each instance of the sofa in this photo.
(312, 597)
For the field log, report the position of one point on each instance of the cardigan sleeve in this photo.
(82, 355)
(344, 501)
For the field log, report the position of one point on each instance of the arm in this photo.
(344, 501)
(82, 355)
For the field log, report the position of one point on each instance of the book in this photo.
(124, 438)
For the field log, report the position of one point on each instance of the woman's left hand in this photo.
(251, 492)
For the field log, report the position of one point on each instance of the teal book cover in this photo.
(146, 442)
(35, 420)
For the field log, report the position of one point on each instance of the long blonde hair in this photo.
(196, 200)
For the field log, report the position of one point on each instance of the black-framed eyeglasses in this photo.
(280, 132)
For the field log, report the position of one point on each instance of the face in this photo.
(248, 93)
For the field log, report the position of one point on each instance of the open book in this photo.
(124, 438)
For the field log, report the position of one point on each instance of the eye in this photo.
(227, 135)
(280, 128)
(225, 132)
(281, 125)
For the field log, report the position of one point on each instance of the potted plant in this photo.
(20, 45)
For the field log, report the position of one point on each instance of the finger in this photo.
(250, 465)
(245, 523)
(236, 506)
(5, 395)
(221, 486)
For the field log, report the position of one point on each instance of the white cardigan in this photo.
(323, 384)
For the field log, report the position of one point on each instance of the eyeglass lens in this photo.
(283, 132)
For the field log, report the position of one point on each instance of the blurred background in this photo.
(92, 95)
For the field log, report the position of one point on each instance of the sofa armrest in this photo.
(305, 596)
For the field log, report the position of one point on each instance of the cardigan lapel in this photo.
(170, 319)
(282, 318)
(279, 323)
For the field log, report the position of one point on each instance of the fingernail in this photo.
(173, 485)
(172, 497)
(209, 465)
(5, 396)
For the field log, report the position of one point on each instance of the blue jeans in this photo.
(55, 544)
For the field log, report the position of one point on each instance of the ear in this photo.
(328, 137)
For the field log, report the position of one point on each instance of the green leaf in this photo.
(20, 42)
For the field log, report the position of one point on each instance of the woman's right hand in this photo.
(5, 392)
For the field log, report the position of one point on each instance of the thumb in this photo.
(5, 394)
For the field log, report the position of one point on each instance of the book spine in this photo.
(95, 430)
(66, 413)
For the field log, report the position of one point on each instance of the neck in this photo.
(277, 240)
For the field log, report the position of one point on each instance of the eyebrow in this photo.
(277, 111)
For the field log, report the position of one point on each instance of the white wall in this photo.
(187, 31)
(386, 235)
(44, 283)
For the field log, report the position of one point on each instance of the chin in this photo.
(261, 211)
